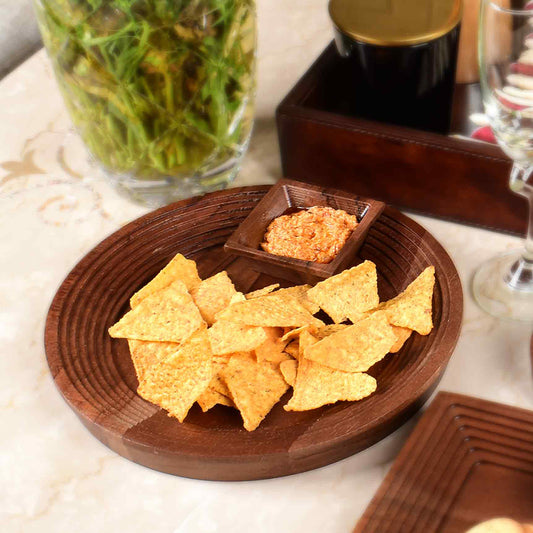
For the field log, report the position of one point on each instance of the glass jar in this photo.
(401, 57)
(161, 91)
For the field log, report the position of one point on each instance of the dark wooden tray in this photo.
(323, 142)
(467, 461)
(95, 375)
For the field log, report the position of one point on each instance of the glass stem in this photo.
(520, 276)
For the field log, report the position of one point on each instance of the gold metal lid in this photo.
(395, 22)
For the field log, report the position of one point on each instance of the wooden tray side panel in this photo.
(407, 174)
(437, 175)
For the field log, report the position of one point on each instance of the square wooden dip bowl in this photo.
(289, 196)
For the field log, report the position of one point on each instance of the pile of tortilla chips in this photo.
(194, 340)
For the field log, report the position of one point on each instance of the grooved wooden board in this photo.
(95, 375)
(467, 461)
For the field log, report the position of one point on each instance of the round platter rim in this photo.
(424, 379)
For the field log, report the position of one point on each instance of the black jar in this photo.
(401, 56)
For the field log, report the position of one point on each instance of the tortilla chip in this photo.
(325, 331)
(306, 340)
(213, 295)
(402, 334)
(413, 307)
(355, 348)
(348, 294)
(272, 349)
(217, 383)
(168, 315)
(274, 334)
(178, 268)
(293, 349)
(289, 369)
(229, 337)
(278, 357)
(317, 385)
(300, 293)
(237, 297)
(177, 382)
(144, 354)
(219, 360)
(210, 397)
(261, 292)
(255, 388)
(276, 309)
(294, 333)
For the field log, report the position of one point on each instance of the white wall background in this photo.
(19, 36)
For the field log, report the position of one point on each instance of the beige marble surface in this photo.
(54, 207)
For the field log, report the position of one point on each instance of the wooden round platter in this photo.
(95, 375)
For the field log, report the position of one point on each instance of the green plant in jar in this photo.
(161, 91)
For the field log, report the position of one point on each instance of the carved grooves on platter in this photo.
(95, 374)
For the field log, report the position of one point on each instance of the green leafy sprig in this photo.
(155, 87)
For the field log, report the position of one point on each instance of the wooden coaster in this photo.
(467, 461)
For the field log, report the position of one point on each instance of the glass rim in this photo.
(508, 10)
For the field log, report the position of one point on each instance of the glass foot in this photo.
(503, 287)
(165, 190)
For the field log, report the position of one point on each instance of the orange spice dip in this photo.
(315, 234)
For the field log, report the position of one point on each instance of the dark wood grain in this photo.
(467, 461)
(289, 194)
(95, 375)
(323, 142)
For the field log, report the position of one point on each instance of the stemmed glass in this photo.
(503, 286)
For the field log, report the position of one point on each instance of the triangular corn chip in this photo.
(229, 337)
(255, 388)
(272, 349)
(168, 315)
(238, 297)
(413, 307)
(300, 293)
(355, 348)
(325, 331)
(289, 369)
(178, 268)
(144, 354)
(217, 383)
(176, 383)
(276, 309)
(402, 334)
(212, 295)
(306, 341)
(293, 349)
(317, 385)
(295, 333)
(348, 294)
(210, 397)
(262, 292)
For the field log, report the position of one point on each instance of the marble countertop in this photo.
(54, 207)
